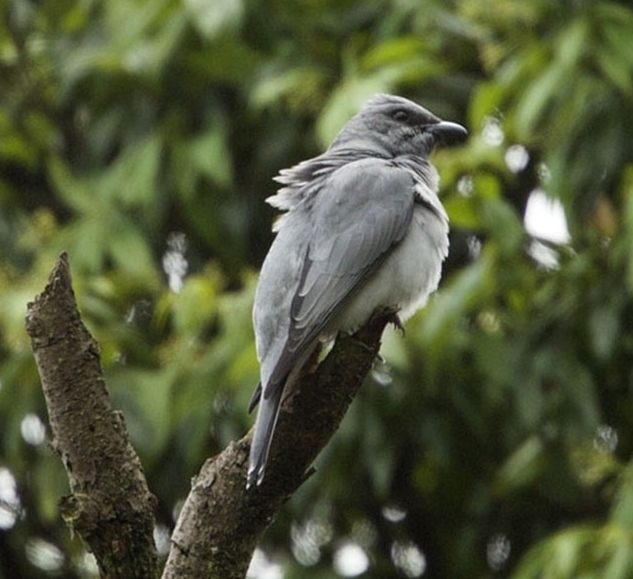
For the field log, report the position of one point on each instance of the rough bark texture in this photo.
(221, 521)
(110, 507)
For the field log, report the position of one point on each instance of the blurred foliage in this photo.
(142, 137)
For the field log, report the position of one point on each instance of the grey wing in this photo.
(363, 210)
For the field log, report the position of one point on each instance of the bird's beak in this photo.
(448, 133)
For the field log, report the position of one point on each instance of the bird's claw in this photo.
(390, 314)
(395, 320)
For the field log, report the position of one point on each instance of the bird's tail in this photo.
(264, 427)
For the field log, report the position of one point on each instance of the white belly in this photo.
(406, 278)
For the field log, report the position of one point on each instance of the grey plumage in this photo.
(363, 229)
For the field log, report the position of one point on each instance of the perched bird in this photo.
(363, 229)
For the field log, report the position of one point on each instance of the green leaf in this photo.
(604, 325)
(400, 61)
(299, 84)
(133, 178)
(627, 194)
(195, 305)
(616, 69)
(210, 156)
(150, 397)
(485, 102)
(87, 243)
(622, 511)
(501, 220)
(345, 101)
(522, 468)
(216, 17)
(619, 559)
(76, 193)
(130, 250)
(462, 213)
(451, 304)
(537, 99)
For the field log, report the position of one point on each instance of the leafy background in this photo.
(142, 137)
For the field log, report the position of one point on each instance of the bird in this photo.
(362, 230)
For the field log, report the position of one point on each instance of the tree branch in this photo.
(110, 507)
(221, 522)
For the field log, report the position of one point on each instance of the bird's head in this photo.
(396, 126)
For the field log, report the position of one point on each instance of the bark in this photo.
(111, 507)
(221, 522)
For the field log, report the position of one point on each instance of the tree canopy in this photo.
(142, 138)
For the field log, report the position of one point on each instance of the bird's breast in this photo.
(409, 274)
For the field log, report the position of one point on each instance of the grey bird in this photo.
(363, 230)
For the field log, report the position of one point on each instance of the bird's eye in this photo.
(401, 115)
